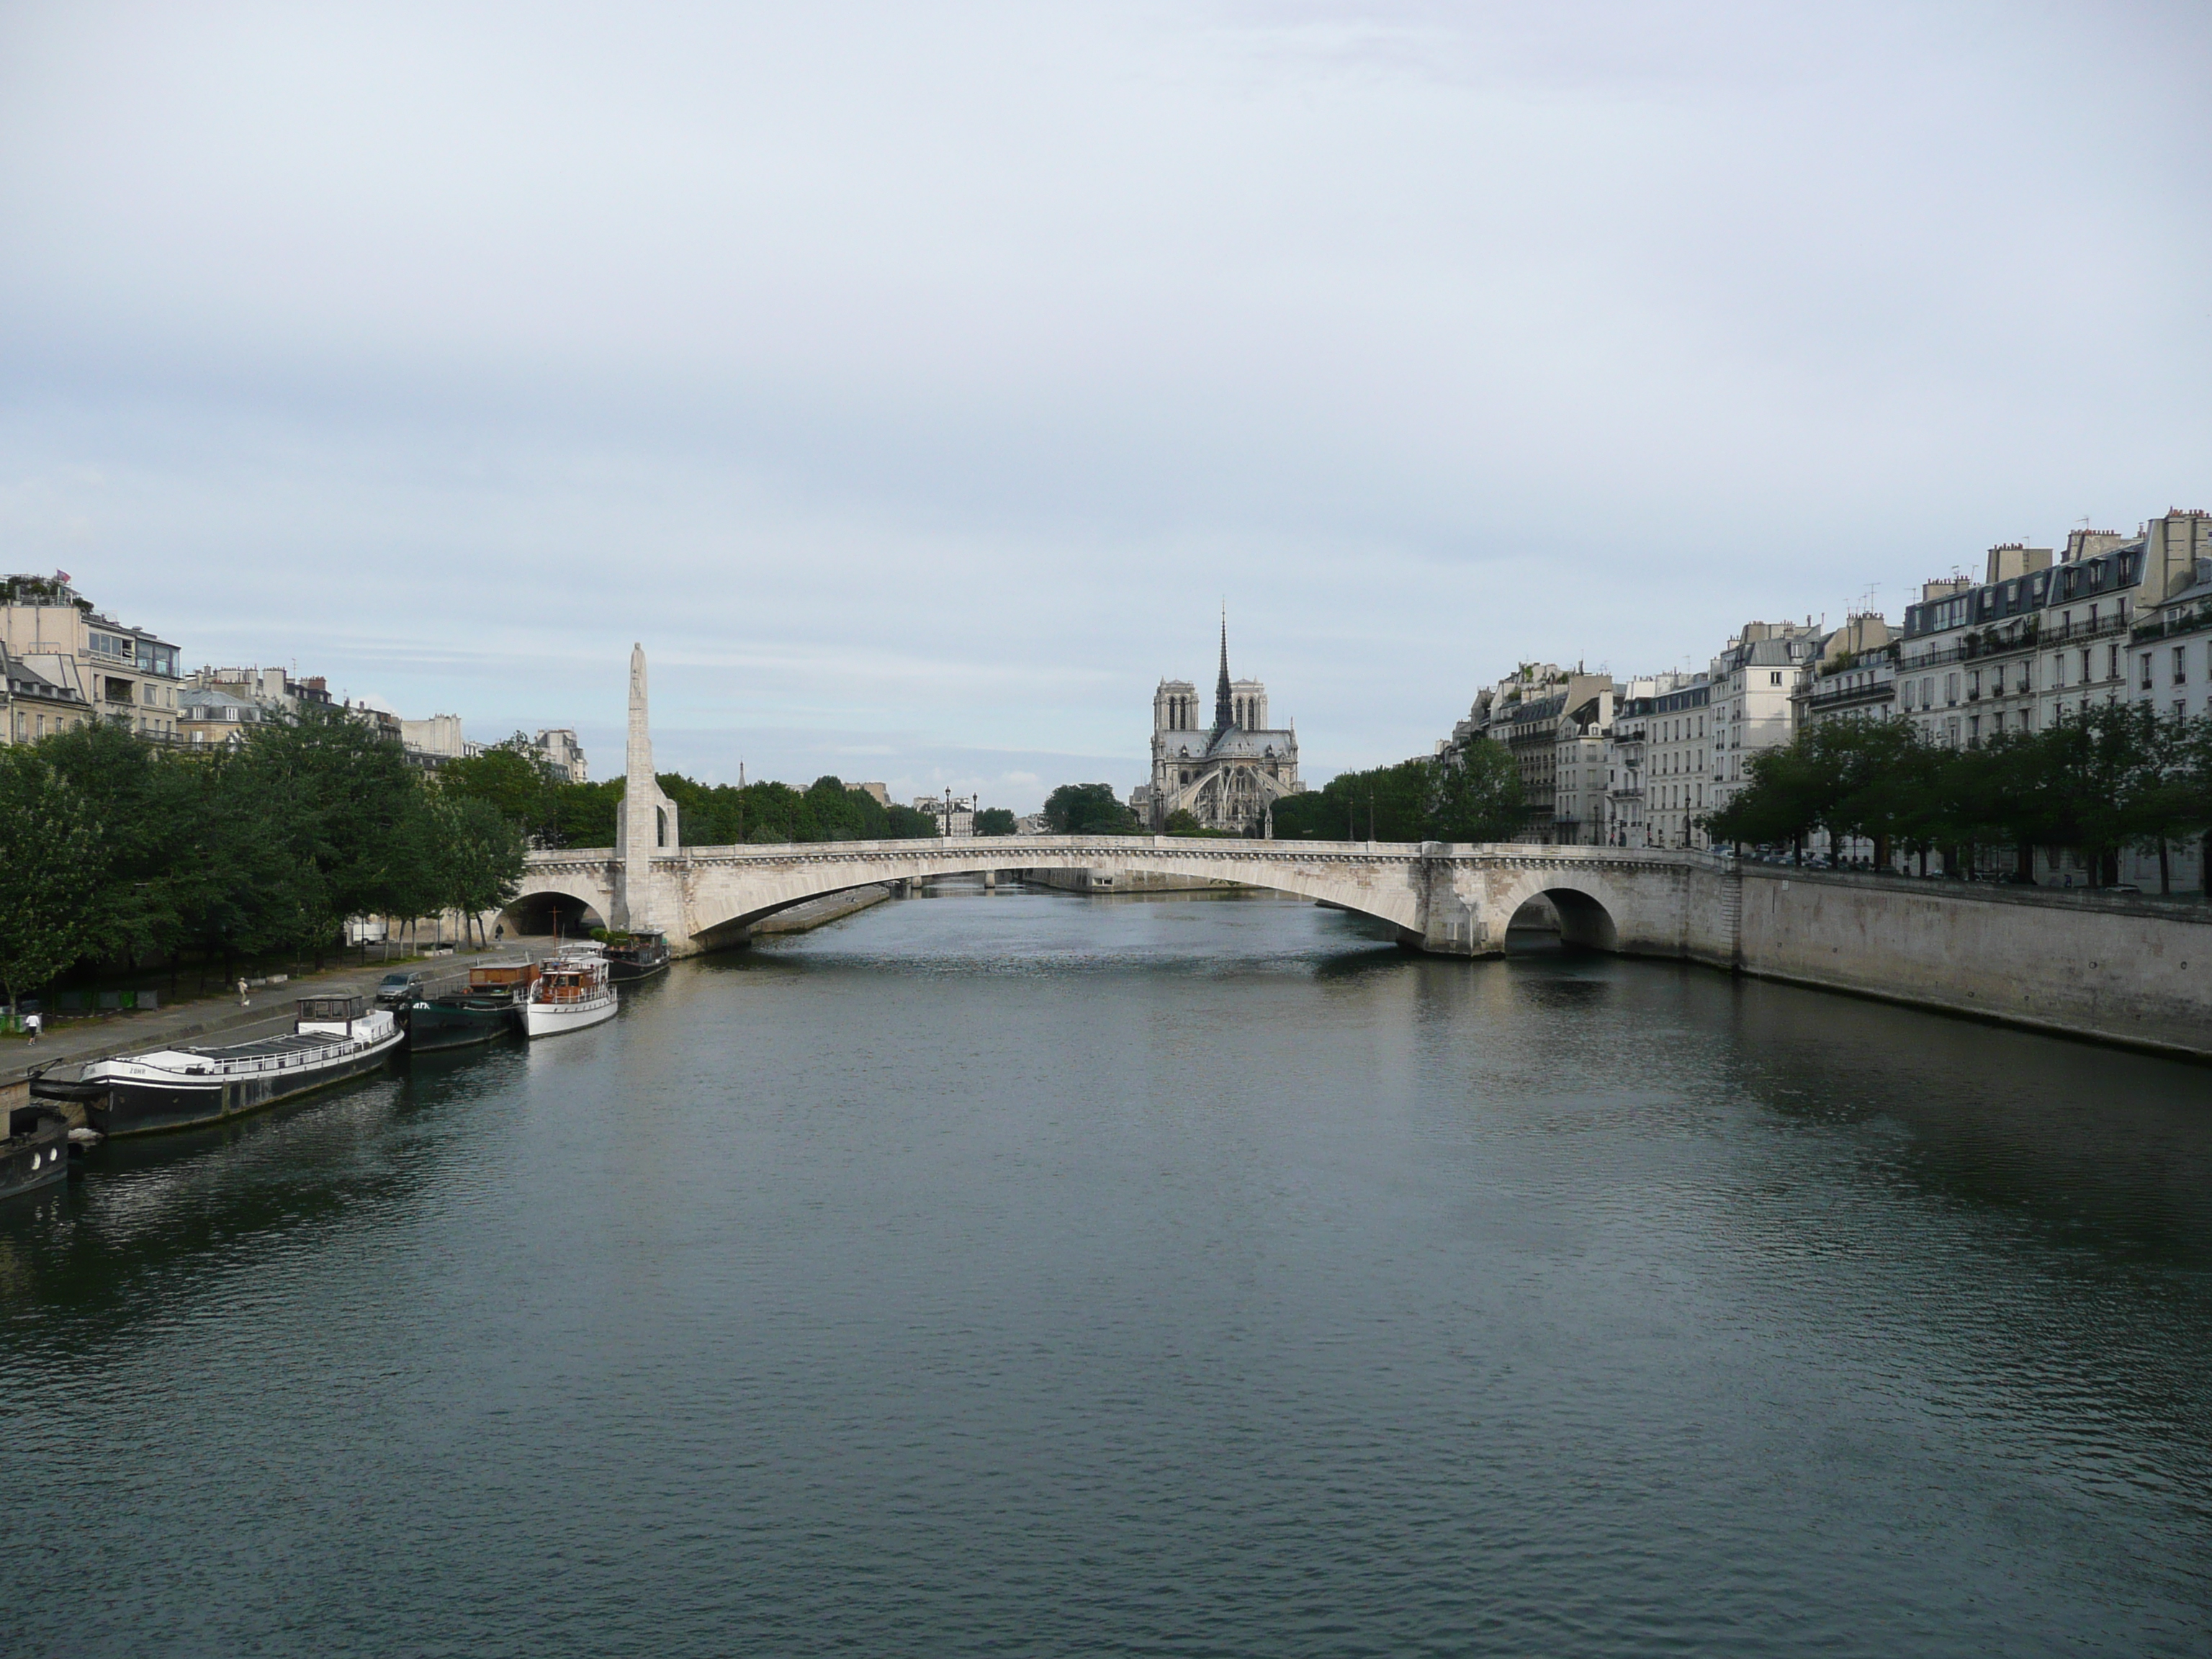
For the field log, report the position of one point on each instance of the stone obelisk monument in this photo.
(647, 823)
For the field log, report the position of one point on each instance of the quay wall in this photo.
(2080, 964)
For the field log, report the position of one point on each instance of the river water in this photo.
(1029, 1273)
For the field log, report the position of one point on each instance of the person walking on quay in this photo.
(32, 1025)
(243, 1002)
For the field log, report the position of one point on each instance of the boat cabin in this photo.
(571, 981)
(502, 976)
(333, 1013)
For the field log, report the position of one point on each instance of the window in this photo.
(1774, 677)
(2181, 709)
(1950, 688)
(2085, 665)
(2112, 662)
(2180, 667)
(2142, 665)
(1974, 683)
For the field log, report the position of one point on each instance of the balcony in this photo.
(1883, 691)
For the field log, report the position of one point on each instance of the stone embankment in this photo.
(819, 913)
(2122, 969)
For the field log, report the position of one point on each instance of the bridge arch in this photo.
(1583, 917)
(720, 907)
(543, 911)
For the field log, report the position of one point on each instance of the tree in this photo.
(994, 821)
(356, 820)
(1088, 809)
(1473, 798)
(514, 779)
(1475, 795)
(2100, 770)
(480, 855)
(50, 863)
(137, 796)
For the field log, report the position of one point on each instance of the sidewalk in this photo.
(220, 1017)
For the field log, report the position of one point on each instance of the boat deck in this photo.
(281, 1045)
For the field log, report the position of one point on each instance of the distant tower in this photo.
(1224, 706)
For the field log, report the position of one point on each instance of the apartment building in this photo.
(1678, 749)
(35, 707)
(1853, 677)
(1752, 681)
(558, 747)
(124, 674)
(1581, 763)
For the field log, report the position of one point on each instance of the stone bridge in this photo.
(1452, 898)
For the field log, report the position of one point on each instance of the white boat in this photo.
(572, 990)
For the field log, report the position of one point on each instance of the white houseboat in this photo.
(572, 990)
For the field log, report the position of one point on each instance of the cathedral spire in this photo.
(1224, 712)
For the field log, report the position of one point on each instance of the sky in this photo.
(920, 384)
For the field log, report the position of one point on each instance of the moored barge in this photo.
(636, 956)
(34, 1152)
(332, 1038)
(490, 1007)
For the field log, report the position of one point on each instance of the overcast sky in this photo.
(917, 382)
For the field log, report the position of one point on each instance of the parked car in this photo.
(397, 990)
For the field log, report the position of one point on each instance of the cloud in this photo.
(938, 372)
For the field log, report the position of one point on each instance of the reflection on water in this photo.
(1067, 1275)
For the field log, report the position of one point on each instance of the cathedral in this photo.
(1228, 777)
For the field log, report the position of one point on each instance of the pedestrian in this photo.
(243, 1001)
(34, 1023)
(499, 933)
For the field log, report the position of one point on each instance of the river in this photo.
(1030, 1273)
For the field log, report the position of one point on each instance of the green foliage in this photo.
(1476, 796)
(543, 806)
(1477, 799)
(51, 860)
(267, 847)
(2113, 776)
(1088, 809)
(994, 821)
(722, 815)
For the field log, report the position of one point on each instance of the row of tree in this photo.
(1474, 796)
(2094, 784)
(114, 850)
(552, 811)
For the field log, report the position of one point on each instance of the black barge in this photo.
(333, 1038)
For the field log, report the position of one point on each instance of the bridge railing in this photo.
(1010, 847)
